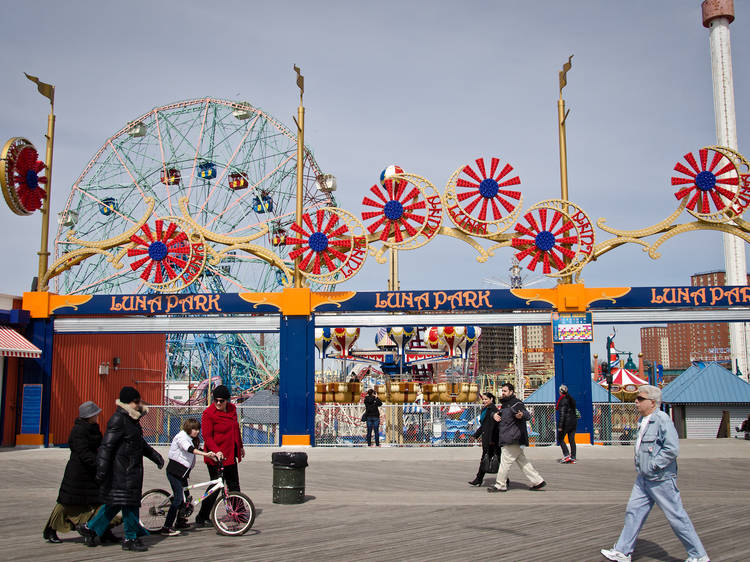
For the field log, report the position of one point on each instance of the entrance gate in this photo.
(294, 313)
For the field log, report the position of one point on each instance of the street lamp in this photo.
(608, 377)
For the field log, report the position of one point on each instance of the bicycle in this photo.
(233, 513)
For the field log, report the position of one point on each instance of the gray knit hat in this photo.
(88, 410)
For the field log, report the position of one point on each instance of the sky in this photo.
(428, 85)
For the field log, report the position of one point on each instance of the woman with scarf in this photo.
(487, 430)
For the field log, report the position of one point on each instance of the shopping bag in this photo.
(490, 463)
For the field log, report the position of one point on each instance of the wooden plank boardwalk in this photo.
(414, 504)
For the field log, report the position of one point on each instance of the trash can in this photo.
(288, 477)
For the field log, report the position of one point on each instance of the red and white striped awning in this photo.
(13, 344)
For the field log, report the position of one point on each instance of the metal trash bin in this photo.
(288, 477)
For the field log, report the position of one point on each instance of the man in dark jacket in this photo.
(119, 471)
(512, 419)
(372, 417)
(567, 421)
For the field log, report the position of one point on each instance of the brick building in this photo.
(676, 346)
(496, 351)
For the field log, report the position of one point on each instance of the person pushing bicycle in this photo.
(182, 453)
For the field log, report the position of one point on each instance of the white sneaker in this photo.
(615, 555)
(701, 559)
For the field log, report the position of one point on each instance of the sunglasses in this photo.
(641, 398)
(219, 400)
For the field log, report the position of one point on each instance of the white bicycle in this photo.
(233, 513)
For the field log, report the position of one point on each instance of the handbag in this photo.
(490, 463)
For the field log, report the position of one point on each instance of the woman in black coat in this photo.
(119, 470)
(488, 431)
(567, 422)
(78, 497)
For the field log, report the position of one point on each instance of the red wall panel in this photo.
(76, 379)
(11, 399)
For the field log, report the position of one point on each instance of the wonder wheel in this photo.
(205, 170)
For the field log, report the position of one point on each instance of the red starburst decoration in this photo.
(162, 252)
(548, 243)
(319, 243)
(486, 191)
(395, 212)
(26, 179)
(704, 184)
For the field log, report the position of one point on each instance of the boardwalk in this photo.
(414, 504)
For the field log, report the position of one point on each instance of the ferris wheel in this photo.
(228, 166)
(231, 165)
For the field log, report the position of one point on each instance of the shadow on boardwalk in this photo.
(415, 504)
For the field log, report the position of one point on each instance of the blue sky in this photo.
(427, 85)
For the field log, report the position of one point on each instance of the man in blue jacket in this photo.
(656, 450)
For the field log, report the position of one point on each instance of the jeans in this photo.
(130, 520)
(665, 494)
(514, 454)
(373, 424)
(178, 497)
(232, 480)
(571, 439)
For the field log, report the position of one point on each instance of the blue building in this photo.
(698, 398)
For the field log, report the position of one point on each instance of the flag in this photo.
(47, 90)
(300, 80)
(567, 66)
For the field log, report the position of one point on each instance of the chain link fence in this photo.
(258, 424)
(615, 424)
(438, 425)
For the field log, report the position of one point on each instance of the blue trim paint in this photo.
(297, 377)
(39, 371)
(573, 369)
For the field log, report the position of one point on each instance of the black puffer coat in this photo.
(566, 413)
(119, 463)
(79, 486)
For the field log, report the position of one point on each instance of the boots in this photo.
(89, 536)
(134, 545)
(50, 535)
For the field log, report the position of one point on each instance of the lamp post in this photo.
(608, 377)
(48, 91)
(300, 120)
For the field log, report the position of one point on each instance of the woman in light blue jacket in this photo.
(656, 450)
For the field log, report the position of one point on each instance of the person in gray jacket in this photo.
(512, 417)
(656, 450)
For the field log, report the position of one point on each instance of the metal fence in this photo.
(258, 424)
(429, 425)
(437, 425)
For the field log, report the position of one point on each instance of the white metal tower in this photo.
(717, 15)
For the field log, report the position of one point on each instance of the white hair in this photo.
(563, 388)
(651, 392)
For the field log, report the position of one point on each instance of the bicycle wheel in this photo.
(154, 506)
(233, 514)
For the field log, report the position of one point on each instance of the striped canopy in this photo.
(13, 344)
